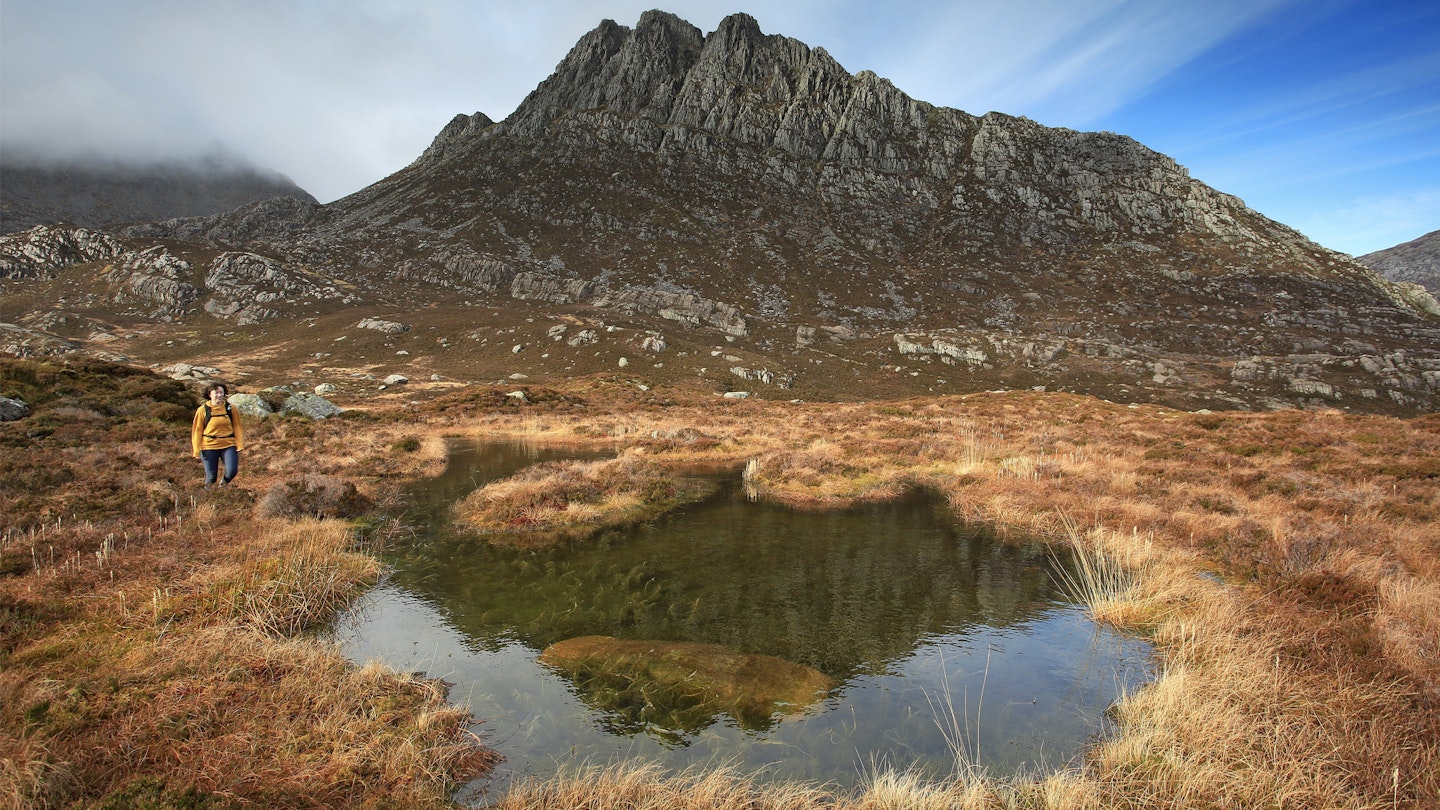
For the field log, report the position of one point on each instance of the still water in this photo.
(929, 636)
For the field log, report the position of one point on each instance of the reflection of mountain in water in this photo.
(844, 592)
(674, 689)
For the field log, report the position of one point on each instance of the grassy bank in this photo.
(153, 647)
(1286, 565)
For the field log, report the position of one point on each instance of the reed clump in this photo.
(571, 500)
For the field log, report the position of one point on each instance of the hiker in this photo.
(215, 435)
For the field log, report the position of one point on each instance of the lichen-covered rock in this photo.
(13, 409)
(379, 325)
(154, 282)
(187, 372)
(248, 288)
(44, 250)
(251, 405)
(310, 406)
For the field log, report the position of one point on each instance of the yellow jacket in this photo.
(222, 431)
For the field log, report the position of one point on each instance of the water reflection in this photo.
(900, 613)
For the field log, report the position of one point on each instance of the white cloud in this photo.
(1060, 62)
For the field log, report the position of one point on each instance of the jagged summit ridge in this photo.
(746, 186)
(666, 90)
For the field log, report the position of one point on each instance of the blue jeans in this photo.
(211, 460)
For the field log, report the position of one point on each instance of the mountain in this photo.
(1416, 262)
(736, 210)
(98, 193)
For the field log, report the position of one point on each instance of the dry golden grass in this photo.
(568, 500)
(1286, 566)
(151, 645)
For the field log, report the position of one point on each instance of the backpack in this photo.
(209, 416)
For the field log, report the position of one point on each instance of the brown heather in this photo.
(150, 647)
(1286, 566)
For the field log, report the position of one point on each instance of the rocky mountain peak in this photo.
(746, 188)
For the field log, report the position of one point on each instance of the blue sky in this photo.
(1322, 114)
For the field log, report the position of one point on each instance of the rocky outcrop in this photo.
(157, 282)
(248, 288)
(686, 308)
(25, 342)
(379, 325)
(310, 406)
(187, 372)
(41, 252)
(550, 289)
(153, 282)
(460, 129)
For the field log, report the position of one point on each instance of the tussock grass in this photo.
(645, 787)
(1286, 565)
(569, 500)
(149, 630)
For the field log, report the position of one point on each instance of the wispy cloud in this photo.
(1369, 224)
(1060, 62)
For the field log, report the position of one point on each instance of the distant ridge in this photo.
(96, 193)
(1416, 261)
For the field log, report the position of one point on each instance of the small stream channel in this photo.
(929, 636)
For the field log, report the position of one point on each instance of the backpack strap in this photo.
(209, 416)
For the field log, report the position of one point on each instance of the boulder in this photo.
(251, 405)
(395, 379)
(13, 409)
(187, 372)
(311, 406)
(388, 327)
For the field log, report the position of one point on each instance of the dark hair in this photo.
(212, 386)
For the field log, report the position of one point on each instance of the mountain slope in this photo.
(745, 188)
(99, 194)
(1415, 262)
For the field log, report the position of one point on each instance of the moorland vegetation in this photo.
(157, 645)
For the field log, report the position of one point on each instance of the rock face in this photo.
(1414, 262)
(746, 186)
(94, 195)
